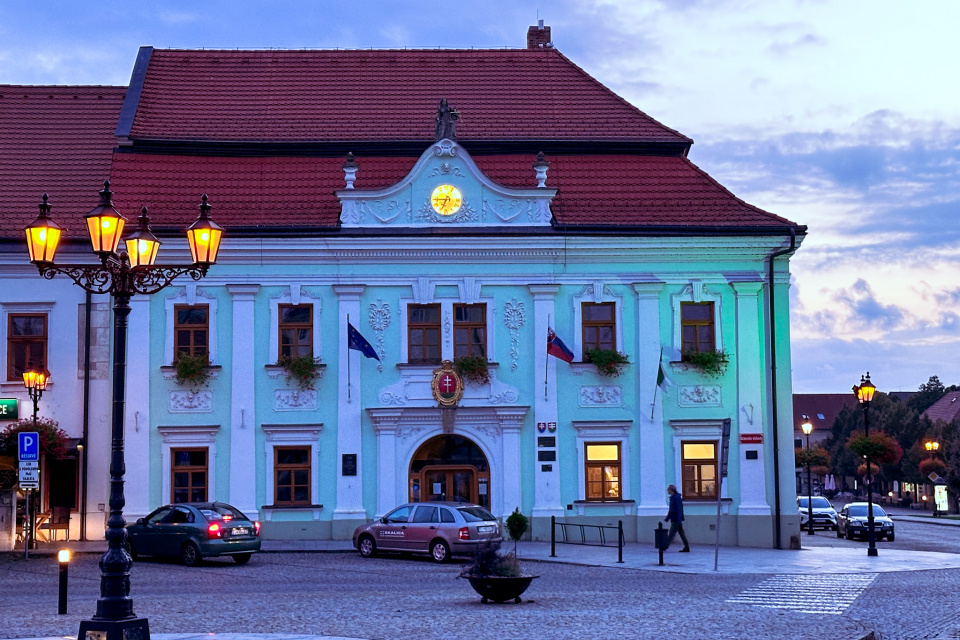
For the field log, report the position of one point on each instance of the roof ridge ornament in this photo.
(447, 117)
(541, 166)
(350, 170)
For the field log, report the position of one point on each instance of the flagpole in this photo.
(653, 405)
(546, 360)
(348, 357)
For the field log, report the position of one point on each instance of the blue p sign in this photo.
(28, 446)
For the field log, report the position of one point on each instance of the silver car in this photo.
(441, 529)
(824, 515)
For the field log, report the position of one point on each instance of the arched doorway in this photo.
(449, 467)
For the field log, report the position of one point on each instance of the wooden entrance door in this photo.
(457, 484)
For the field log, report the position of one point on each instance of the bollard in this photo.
(63, 558)
(553, 540)
(620, 541)
(659, 536)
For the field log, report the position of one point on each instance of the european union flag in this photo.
(357, 342)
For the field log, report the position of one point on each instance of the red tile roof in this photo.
(57, 139)
(815, 405)
(299, 191)
(298, 96)
(946, 408)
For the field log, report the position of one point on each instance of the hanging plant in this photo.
(815, 457)
(609, 362)
(192, 371)
(304, 370)
(862, 470)
(53, 439)
(473, 368)
(878, 446)
(932, 465)
(712, 363)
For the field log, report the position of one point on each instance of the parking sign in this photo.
(28, 445)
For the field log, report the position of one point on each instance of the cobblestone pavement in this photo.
(340, 594)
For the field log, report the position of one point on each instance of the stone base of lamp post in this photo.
(129, 629)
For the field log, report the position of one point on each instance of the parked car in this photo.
(852, 522)
(441, 529)
(824, 515)
(192, 531)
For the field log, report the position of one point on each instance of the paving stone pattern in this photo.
(830, 594)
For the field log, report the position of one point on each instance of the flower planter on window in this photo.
(711, 363)
(303, 370)
(192, 371)
(609, 362)
(474, 369)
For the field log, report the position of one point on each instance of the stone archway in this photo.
(449, 467)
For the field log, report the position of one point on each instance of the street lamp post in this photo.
(120, 274)
(931, 446)
(35, 380)
(807, 428)
(864, 392)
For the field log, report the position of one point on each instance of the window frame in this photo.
(697, 324)
(292, 467)
(189, 469)
(482, 325)
(410, 327)
(598, 293)
(587, 324)
(695, 291)
(699, 463)
(13, 341)
(295, 326)
(602, 464)
(192, 328)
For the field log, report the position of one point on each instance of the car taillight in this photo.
(214, 531)
(464, 533)
(256, 527)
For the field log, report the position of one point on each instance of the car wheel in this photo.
(242, 558)
(439, 551)
(190, 554)
(128, 547)
(367, 547)
(839, 533)
(891, 537)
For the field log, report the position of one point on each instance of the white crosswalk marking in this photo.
(828, 593)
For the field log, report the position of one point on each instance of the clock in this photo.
(446, 199)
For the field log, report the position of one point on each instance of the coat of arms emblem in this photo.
(447, 385)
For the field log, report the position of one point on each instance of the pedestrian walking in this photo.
(675, 518)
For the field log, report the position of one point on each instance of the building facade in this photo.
(531, 202)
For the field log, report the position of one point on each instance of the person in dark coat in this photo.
(675, 518)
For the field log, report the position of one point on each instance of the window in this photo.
(191, 330)
(602, 467)
(188, 475)
(426, 514)
(699, 463)
(291, 470)
(599, 326)
(423, 333)
(696, 327)
(469, 330)
(26, 343)
(296, 330)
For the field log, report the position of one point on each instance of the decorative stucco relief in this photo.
(466, 213)
(191, 401)
(699, 395)
(601, 395)
(514, 316)
(379, 319)
(405, 432)
(294, 399)
(390, 398)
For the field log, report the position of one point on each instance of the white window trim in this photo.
(191, 296)
(291, 435)
(699, 431)
(188, 437)
(446, 326)
(603, 431)
(695, 291)
(295, 295)
(596, 293)
(45, 308)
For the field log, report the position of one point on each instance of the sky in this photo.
(843, 115)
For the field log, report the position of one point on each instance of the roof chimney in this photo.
(538, 36)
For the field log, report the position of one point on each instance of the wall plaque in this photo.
(349, 464)
(546, 456)
(547, 441)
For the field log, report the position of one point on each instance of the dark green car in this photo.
(192, 531)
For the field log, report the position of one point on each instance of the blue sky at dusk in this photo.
(844, 116)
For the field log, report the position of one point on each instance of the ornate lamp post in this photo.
(35, 380)
(931, 446)
(121, 274)
(864, 392)
(807, 428)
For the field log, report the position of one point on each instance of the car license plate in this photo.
(488, 529)
(239, 531)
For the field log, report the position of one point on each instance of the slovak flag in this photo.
(556, 348)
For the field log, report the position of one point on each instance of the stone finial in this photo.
(350, 170)
(541, 166)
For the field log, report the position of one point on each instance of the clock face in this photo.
(446, 199)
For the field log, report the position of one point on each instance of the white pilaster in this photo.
(511, 421)
(546, 483)
(650, 401)
(349, 488)
(753, 500)
(136, 420)
(390, 490)
(242, 404)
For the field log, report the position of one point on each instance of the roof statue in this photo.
(447, 117)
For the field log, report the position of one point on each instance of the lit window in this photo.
(602, 469)
(699, 464)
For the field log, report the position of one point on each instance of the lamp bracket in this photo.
(117, 277)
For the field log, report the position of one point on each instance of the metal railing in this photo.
(597, 535)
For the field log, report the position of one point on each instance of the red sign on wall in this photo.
(751, 438)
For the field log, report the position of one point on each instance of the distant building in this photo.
(946, 409)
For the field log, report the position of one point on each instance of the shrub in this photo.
(304, 370)
(473, 368)
(712, 363)
(192, 370)
(489, 562)
(609, 362)
(517, 525)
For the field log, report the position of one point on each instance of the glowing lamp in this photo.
(43, 235)
(105, 224)
(806, 427)
(35, 379)
(142, 245)
(63, 556)
(865, 390)
(204, 236)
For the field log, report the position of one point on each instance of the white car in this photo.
(824, 515)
